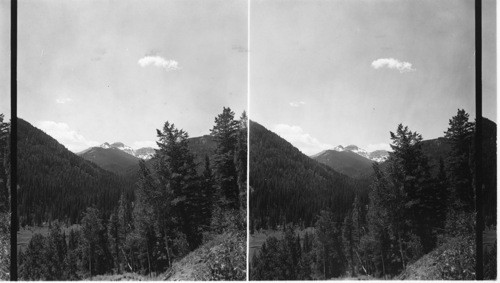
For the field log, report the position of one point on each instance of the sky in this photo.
(5, 58)
(328, 73)
(116, 70)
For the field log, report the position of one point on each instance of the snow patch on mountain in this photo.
(142, 153)
(338, 148)
(104, 145)
(358, 151)
(377, 155)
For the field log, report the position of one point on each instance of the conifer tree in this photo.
(72, 256)
(55, 253)
(177, 175)
(460, 135)
(410, 171)
(348, 241)
(33, 267)
(114, 239)
(225, 132)
(144, 231)
(329, 251)
(207, 196)
(241, 158)
(92, 227)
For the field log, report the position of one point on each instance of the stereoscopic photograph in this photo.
(248, 140)
(362, 124)
(132, 140)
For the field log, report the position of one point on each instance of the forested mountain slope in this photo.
(288, 186)
(111, 159)
(55, 183)
(345, 162)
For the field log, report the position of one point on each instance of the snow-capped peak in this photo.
(358, 150)
(143, 153)
(123, 147)
(377, 155)
(338, 148)
(105, 145)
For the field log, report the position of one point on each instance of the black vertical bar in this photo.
(13, 140)
(478, 144)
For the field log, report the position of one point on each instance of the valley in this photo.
(100, 210)
(363, 211)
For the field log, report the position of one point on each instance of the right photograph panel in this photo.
(362, 140)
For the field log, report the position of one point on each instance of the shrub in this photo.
(227, 259)
(458, 260)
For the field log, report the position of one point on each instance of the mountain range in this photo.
(377, 155)
(55, 183)
(142, 153)
(351, 160)
(123, 160)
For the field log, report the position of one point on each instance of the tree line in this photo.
(174, 210)
(4, 199)
(409, 212)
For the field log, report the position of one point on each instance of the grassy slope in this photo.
(192, 267)
(450, 256)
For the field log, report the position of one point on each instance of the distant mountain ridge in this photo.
(377, 155)
(142, 153)
(123, 160)
(346, 162)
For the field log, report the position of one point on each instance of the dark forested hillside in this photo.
(111, 159)
(55, 183)
(5, 247)
(346, 162)
(288, 186)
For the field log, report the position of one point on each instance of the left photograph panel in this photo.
(132, 139)
(5, 116)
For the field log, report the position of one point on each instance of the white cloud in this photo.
(157, 61)
(66, 136)
(140, 144)
(301, 140)
(392, 63)
(378, 146)
(297, 103)
(63, 100)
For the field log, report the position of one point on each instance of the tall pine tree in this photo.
(177, 175)
(460, 135)
(225, 132)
